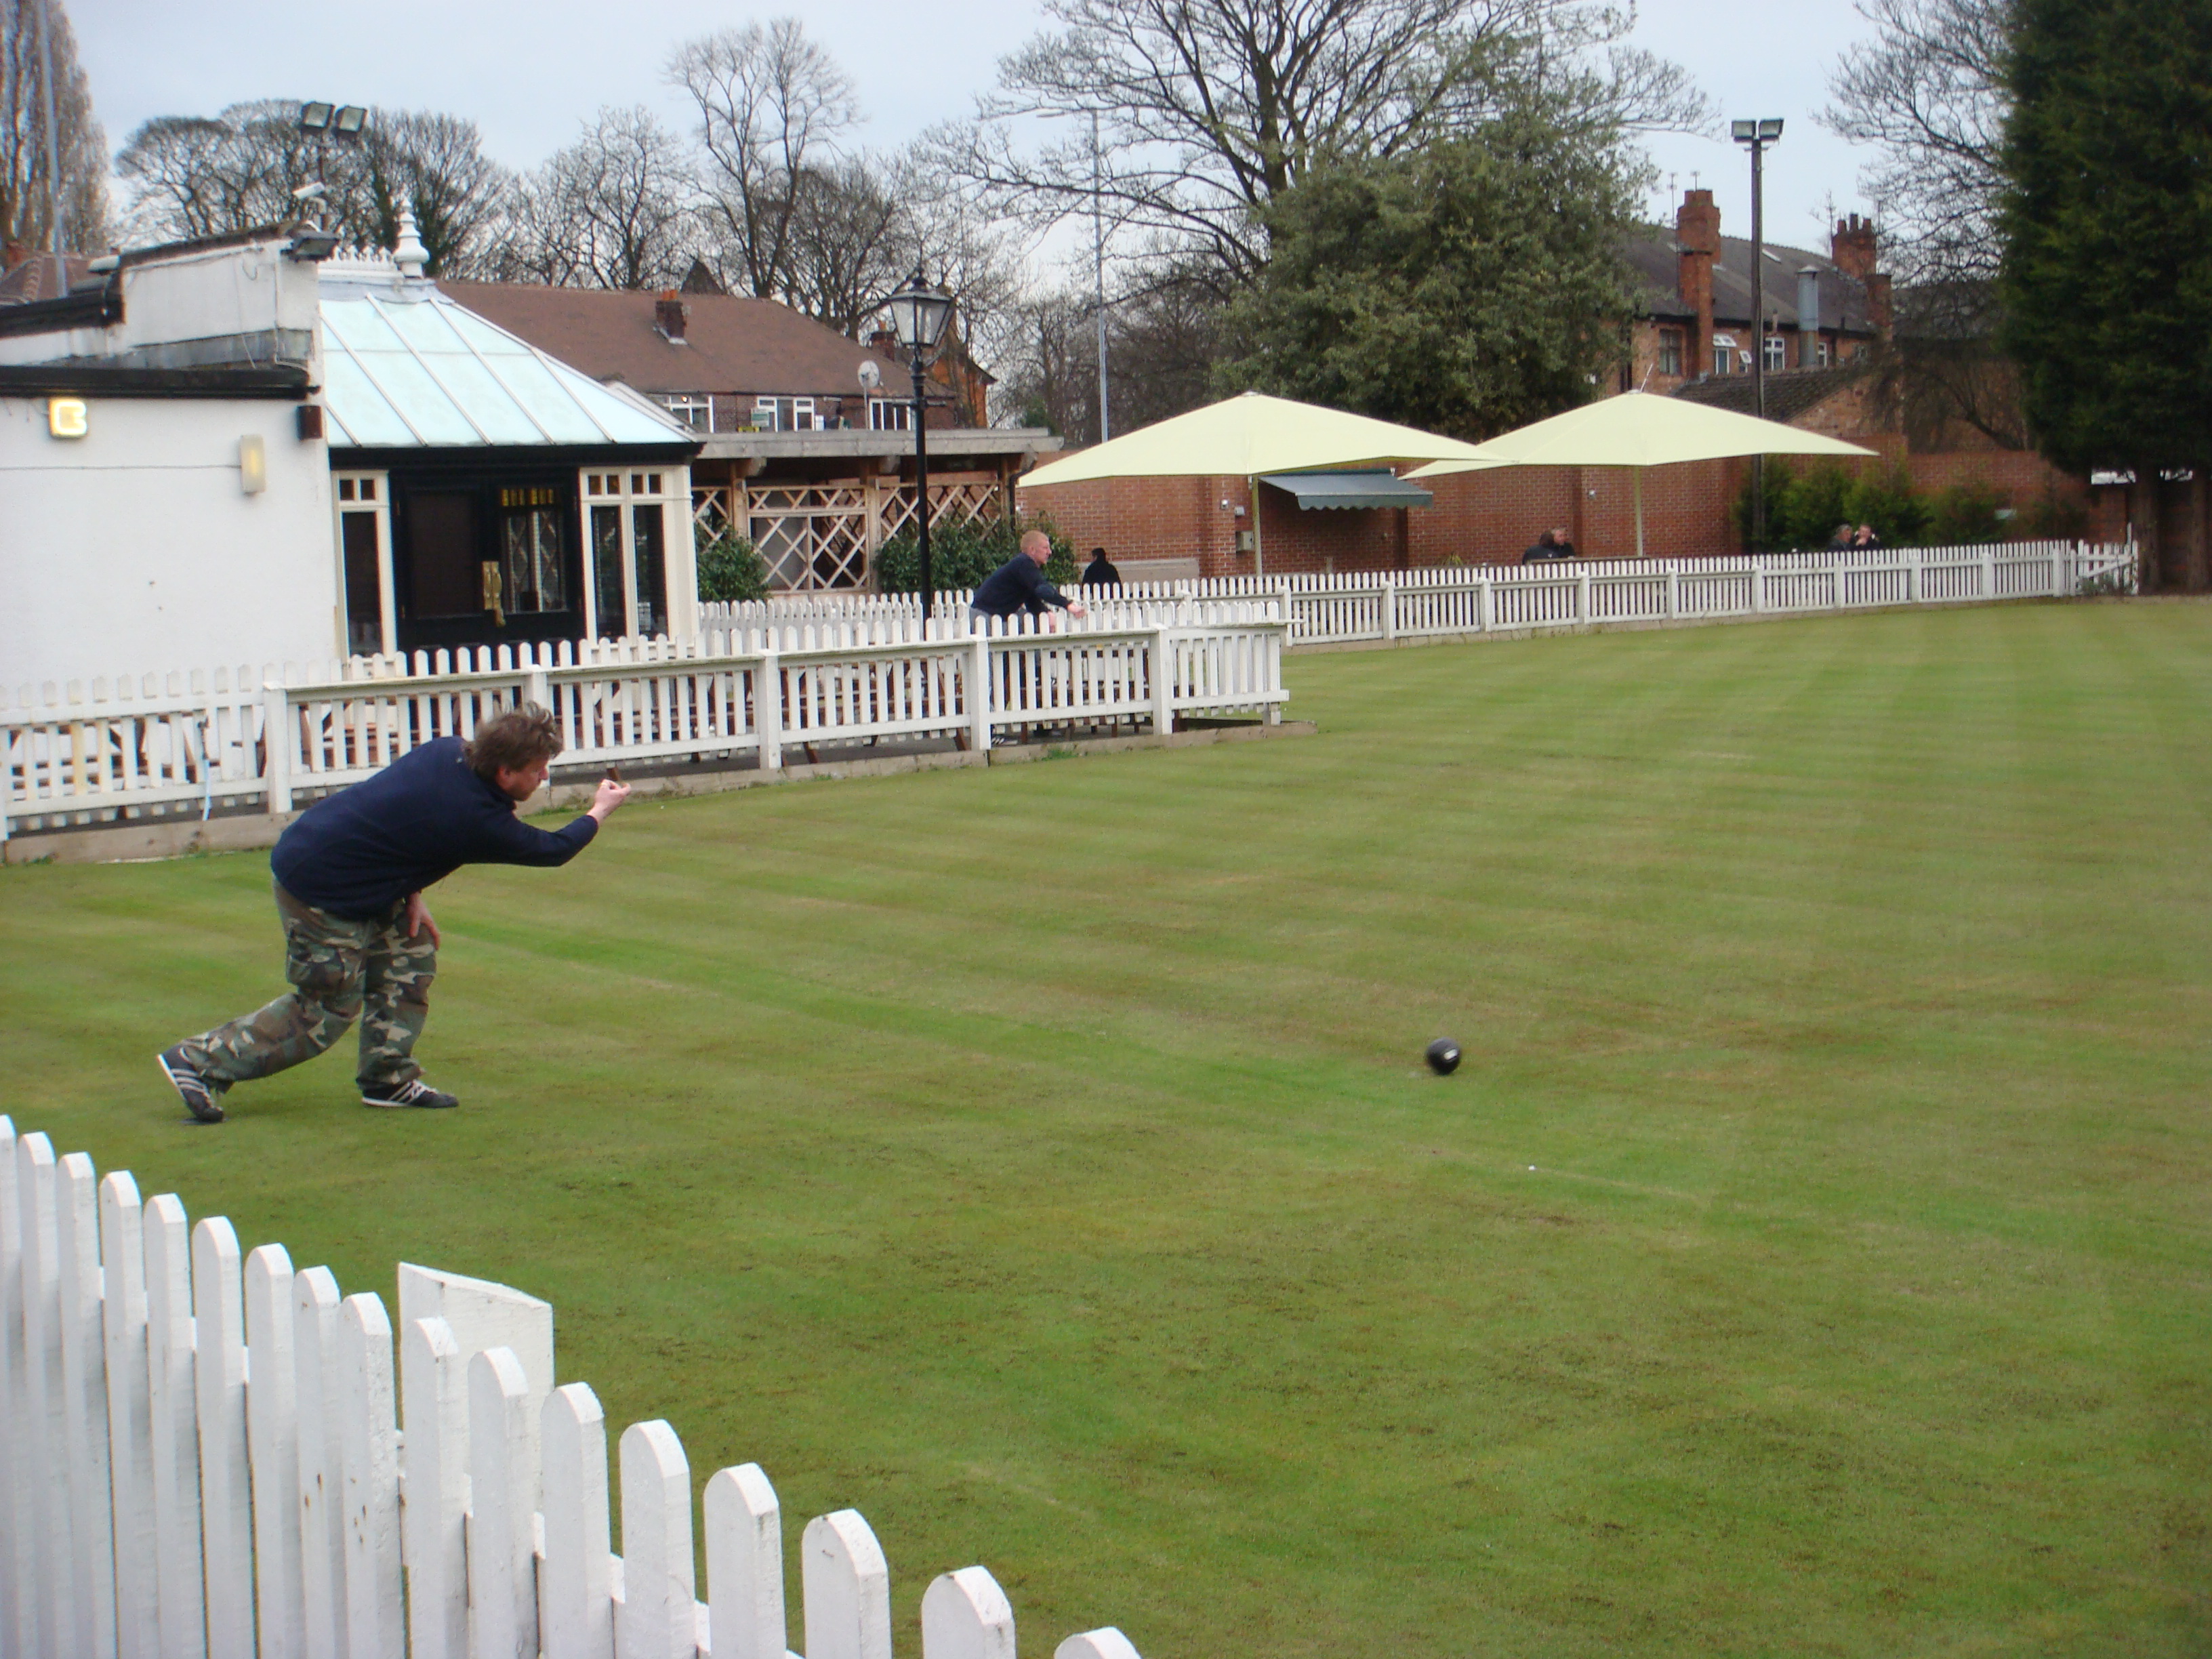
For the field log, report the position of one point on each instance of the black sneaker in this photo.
(202, 1099)
(413, 1093)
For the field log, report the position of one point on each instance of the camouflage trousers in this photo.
(341, 970)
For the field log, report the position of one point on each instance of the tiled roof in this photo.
(34, 278)
(406, 368)
(1790, 392)
(731, 343)
(1654, 261)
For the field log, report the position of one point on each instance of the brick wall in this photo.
(1477, 517)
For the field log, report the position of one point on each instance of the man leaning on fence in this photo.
(359, 942)
(1019, 585)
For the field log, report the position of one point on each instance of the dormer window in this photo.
(785, 415)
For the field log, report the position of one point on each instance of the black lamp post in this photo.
(919, 315)
(1756, 135)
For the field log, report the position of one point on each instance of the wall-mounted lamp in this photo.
(67, 417)
(253, 465)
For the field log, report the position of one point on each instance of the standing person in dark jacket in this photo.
(359, 941)
(1545, 548)
(1019, 585)
(1100, 572)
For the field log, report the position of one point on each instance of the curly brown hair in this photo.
(519, 738)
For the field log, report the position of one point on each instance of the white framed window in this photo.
(695, 409)
(1821, 354)
(1725, 354)
(1777, 351)
(776, 414)
(890, 414)
(360, 507)
(627, 553)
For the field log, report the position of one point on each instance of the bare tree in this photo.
(772, 106)
(611, 210)
(26, 165)
(194, 176)
(1928, 93)
(1208, 109)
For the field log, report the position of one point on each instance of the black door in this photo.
(485, 561)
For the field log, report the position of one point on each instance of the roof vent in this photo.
(669, 315)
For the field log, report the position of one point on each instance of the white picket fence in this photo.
(136, 744)
(211, 1455)
(1457, 599)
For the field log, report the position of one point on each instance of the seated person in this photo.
(1547, 547)
(1100, 572)
(1841, 540)
(1561, 547)
(1019, 584)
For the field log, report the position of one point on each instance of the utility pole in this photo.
(1099, 266)
(1756, 135)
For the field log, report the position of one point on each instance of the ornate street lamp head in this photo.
(919, 315)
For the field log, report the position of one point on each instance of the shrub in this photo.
(961, 556)
(730, 568)
(1887, 501)
(1963, 515)
(2053, 517)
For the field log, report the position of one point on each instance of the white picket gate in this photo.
(211, 1455)
(128, 748)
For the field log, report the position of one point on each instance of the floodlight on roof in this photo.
(1743, 131)
(350, 118)
(316, 118)
(1770, 129)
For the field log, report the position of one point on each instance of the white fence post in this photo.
(1389, 609)
(315, 1396)
(172, 1367)
(1581, 598)
(1988, 589)
(433, 1425)
(276, 745)
(1106, 1642)
(744, 1565)
(1163, 686)
(46, 1422)
(2057, 576)
(768, 707)
(965, 1615)
(369, 1442)
(226, 1515)
(848, 1589)
(1485, 591)
(129, 1415)
(576, 1611)
(981, 688)
(18, 1563)
(659, 1617)
(503, 1564)
(1758, 587)
(84, 1379)
(272, 1439)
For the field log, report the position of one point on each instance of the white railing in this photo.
(1328, 609)
(208, 1454)
(129, 748)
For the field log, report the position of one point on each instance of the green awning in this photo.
(1375, 487)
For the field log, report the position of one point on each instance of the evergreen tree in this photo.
(2107, 220)
(1466, 288)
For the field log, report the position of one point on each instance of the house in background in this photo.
(1694, 298)
(796, 450)
(237, 450)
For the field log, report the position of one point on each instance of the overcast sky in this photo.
(528, 70)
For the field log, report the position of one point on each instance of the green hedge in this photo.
(962, 556)
(1804, 507)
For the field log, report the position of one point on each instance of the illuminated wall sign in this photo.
(66, 417)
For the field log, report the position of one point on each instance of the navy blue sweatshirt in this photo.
(1017, 584)
(360, 852)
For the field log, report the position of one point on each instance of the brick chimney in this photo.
(1852, 246)
(669, 313)
(1698, 244)
(1879, 310)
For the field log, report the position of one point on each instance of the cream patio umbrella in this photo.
(1636, 431)
(1250, 436)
